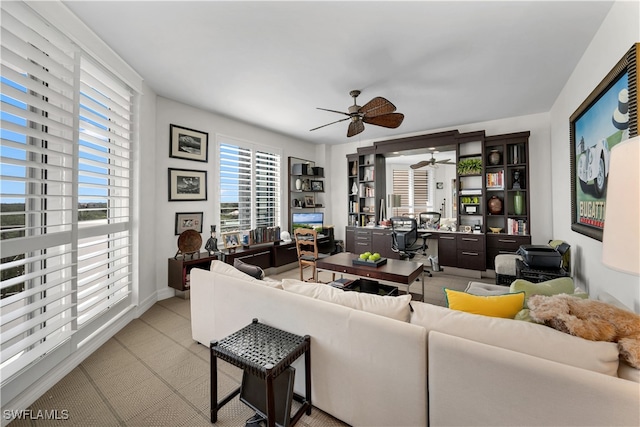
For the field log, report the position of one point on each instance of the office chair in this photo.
(405, 238)
(429, 220)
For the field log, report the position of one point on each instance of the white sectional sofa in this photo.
(378, 361)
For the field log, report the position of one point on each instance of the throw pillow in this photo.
(561, 285)
(252, 270)
(387, 306)
(506, 306)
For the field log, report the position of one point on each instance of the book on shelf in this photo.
(495, 179)
(471, 192)
(516, 226)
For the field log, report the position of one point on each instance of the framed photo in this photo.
(188, 221)
(231, 240)
(317, 185)
(309, 202)
(189, 144)
(608, 116)
(187, 185)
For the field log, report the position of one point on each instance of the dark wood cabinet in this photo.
(382, 242)
(498, 243)
(179, 269)
(447, 250)
(283, 254)
(471, 251)
(259, 255)
(362, 241)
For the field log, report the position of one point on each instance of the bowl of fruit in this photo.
(370, 259)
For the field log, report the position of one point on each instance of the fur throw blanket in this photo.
(592, 320)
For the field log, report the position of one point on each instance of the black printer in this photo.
(540, 257)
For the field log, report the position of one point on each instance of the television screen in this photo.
(307, 220)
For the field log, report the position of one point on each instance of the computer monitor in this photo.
(307, 220)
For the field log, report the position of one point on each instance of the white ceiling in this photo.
(271, 64)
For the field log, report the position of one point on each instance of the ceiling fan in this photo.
(431, 162)
(378, 111)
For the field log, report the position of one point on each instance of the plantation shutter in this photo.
(401, 187)
(249, 187)
(420, 190)
(104, 185)
(65, 170)
(235, 188)
(267, 180)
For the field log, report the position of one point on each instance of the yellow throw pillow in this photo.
(506, 306)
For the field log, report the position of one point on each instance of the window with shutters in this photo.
(413, 188)
(65, 193)
(249, 186)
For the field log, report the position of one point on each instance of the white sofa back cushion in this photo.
(524, 337)
(388, 306)
(230, 271)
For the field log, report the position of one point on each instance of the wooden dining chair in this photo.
(307, 246)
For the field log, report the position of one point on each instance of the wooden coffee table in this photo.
(394, 271)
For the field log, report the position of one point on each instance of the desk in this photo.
(395, 271)
(265, 352)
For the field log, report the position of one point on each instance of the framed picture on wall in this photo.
(607, 117)
(188, 221)
(188, 144)
(187, 185)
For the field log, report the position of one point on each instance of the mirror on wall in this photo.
(428, 186)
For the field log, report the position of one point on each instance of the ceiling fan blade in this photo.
(337, 121)
(333, 111)
(392, 120)
(420, 164)
(445, 161)
(355, 127)
(376, 107)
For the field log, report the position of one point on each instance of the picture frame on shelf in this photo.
(189, 144)
(603, 120)
(231, 240)
(188, 221)
(317, 185)
(187, 185)
(309, 201)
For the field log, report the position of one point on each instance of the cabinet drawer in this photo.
(507, 243)
(471, 242)
(472, 260)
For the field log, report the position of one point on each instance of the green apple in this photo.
(364, 256)
(377, 256)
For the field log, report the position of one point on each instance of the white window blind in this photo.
(413, 187)
(249, 187)
(65, 191)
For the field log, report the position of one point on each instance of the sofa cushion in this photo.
(560, 285)
(530, 338)
(506, 305)
(388, 306)
(229, 270)
(252, 270)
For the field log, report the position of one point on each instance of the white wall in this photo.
(616, 35)
(156, 181)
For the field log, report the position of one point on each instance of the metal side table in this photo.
(264, 352)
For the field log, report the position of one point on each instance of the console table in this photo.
(264, 352)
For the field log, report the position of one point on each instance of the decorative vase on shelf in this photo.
(494, 157)
(354, 169)
(298, 184)
(518, 203)
(495, 205)
(354, 189)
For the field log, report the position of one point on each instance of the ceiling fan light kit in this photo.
(379, 112)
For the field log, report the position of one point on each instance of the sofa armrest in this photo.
(471, 383)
